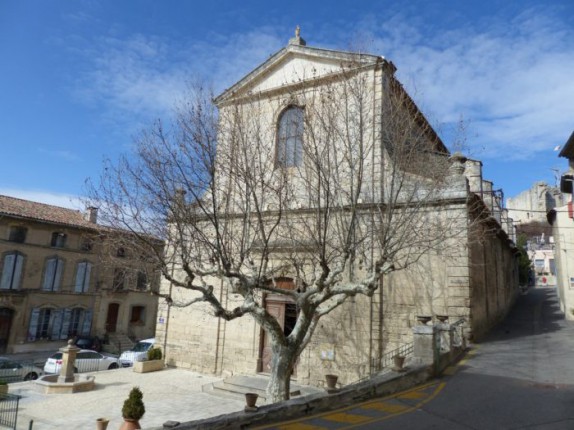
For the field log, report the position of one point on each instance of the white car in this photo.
(14, 371)
(137, 353)
(86, 361)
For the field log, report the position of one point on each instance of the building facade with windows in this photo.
(62, 275)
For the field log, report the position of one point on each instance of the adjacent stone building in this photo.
(475, 282)
(533, 204)
(62, 275)
(562, 220)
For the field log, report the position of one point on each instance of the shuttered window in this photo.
(12, 265)
(53, 274)
(83, 272)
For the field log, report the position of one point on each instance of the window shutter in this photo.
(65, 324)
(80, 274)
(33, 327)
(56, 324)
(7, 268)
(59, 269)
(87, 323)
(86, 284)
(49, 274)
(17, 271)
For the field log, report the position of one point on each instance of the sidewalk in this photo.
(170, 394)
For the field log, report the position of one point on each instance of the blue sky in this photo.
(80, 78)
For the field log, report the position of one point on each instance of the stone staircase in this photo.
(236, 386)
(117, 343)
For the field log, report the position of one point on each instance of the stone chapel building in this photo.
(476, 284)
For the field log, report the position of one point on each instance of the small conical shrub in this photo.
(134, 408)
(154, 354)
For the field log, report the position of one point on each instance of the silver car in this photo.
(15, 371)
(86, 361)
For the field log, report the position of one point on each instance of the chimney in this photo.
(91, 214)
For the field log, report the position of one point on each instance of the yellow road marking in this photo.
(343, 417)
(299, 424)
(386, 407)
(415, 395)
(451, 370)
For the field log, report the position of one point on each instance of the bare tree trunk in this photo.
(282, 365)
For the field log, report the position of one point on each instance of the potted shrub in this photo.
(154, 361)
(133, 410)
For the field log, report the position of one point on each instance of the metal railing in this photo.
(405, 350)
(9, 410)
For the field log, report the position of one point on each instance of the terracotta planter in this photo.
(399, 361)
(331, 381)
(130, 424)
(442, 318)
(102, 423)
(251, 399)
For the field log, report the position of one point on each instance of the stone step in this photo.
(117, 343)
(236, 386)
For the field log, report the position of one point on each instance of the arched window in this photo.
(290, 137)
(12, 265)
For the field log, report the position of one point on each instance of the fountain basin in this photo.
(48, 384)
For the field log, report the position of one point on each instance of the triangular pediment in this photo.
(293, 65)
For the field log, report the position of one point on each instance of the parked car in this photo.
(14, 371)
(137, 353)
(86, 361)
(88, 342)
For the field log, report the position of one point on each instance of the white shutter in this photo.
(49, 274)
(56, 324)
(59, 269)
(80, 274)
(87, 277)
(17, 271)
(65, 324)
(87, 323)
(7, 268)
(33, 327)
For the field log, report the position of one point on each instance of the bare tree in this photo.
(353, 184)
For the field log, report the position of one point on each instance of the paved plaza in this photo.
(170, 394)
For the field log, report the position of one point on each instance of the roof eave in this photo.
(307, 50)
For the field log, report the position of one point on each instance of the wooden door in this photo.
(6, 316)
(112, 317)
(286, 314)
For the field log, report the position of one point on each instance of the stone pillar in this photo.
(68, 357)
(446, 337)
(424, 343)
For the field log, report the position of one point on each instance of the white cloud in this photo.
(513, 82)
(510, 79)
(144, 76)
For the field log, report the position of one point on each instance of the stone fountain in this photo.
(67, 381)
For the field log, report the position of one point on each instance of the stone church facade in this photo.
(476, 283)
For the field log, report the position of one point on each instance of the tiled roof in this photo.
(11, 206)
